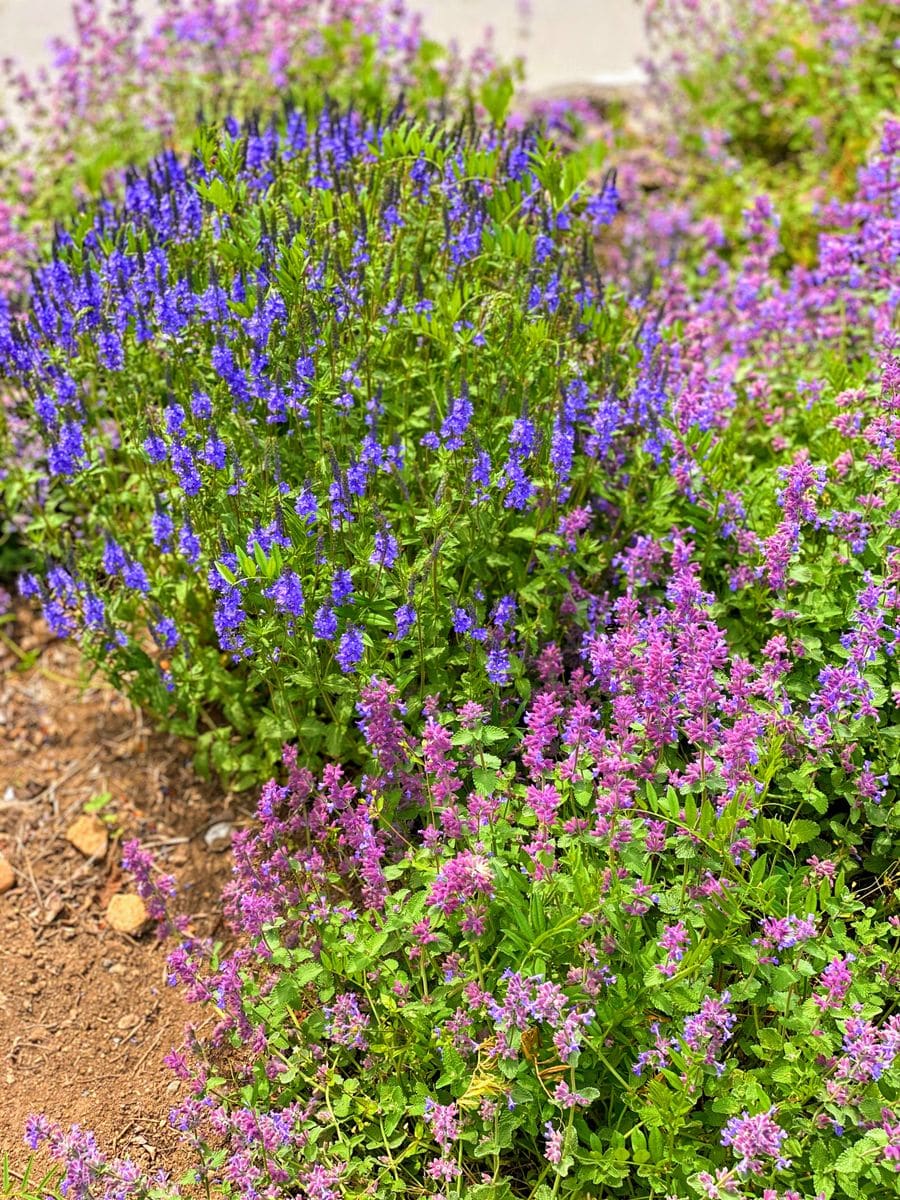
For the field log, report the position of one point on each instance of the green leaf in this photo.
(217, 193)
(248, 564)
(802, 831)
(489, 1191)
(485, 782)
(97, 802)
(639, 1149)
(305, 973)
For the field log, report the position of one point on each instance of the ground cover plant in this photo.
(614, 945)
(602, 900)
(611, 951)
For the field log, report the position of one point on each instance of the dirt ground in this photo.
(85, 1014)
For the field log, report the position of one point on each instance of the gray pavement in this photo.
(568, 41)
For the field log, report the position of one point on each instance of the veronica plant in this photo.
(128, 83)
(335, 394)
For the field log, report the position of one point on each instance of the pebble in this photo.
(7, 875)
(127, 913)
(218, 836)
(89, 835)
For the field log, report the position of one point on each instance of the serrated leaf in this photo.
(802, 831)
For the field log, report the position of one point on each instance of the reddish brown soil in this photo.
(85, 1015)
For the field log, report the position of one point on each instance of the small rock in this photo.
(218, 836)
(127, 913)
(7, 875)
(53, 906)
(88, 834)
(129, 1021)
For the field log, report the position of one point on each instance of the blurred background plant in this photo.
(782, 97)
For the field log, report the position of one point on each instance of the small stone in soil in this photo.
(7, 875)
(88, 834)
(127, 914)
(218, 836)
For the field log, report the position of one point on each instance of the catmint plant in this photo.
(579, 952)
